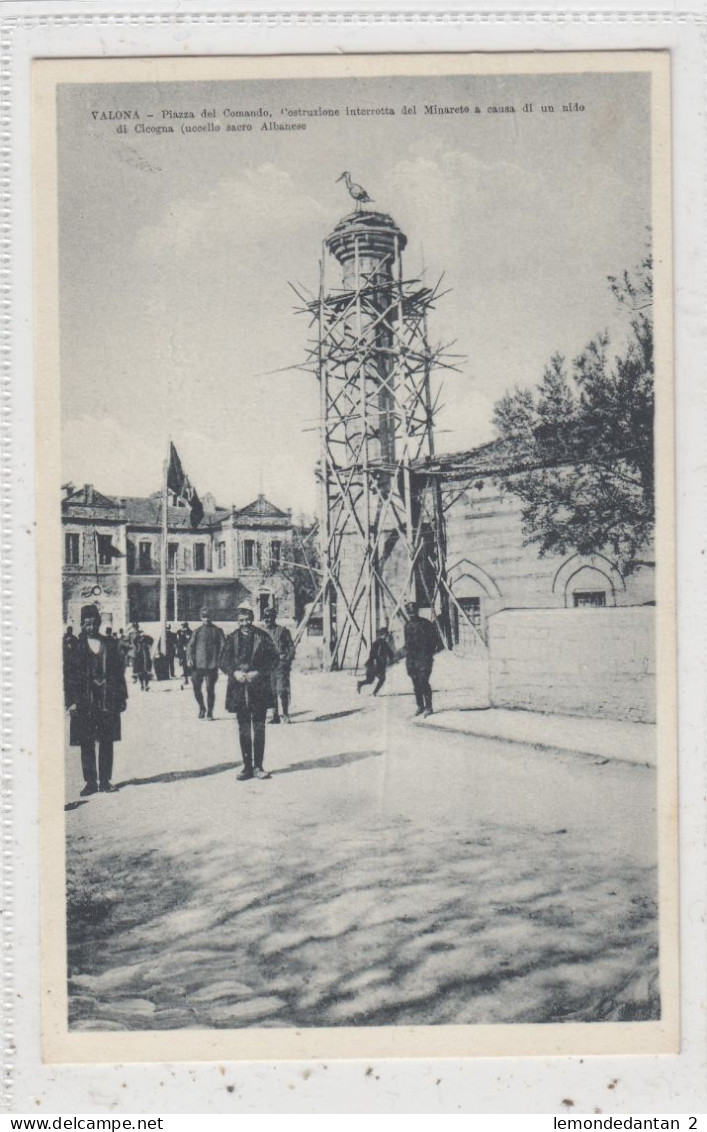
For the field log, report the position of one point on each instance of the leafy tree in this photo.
(582, 441)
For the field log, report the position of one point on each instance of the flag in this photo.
(105, 550)
(178, 483)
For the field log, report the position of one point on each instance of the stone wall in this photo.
(596, 662)
(487, 559)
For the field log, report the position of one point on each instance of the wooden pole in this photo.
(163, 564)
(406, 414)
(368, 620)
(325, 518)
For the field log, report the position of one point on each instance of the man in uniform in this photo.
(421, 644)
(203, 655)
(280, 675)
(248, 659)
(95, 694)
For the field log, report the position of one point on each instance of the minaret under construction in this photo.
(381, 522)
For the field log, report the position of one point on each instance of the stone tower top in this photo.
(376, 234)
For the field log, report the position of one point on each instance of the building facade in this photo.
(489, 566)
(112, 555)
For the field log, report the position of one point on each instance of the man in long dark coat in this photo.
(95, 694)
(281, 637)
(123, 647)
(142, 659)
(203, 654)
(421, 644)
(170, 648)
(134, 634)
(248, 658)
(184, 635)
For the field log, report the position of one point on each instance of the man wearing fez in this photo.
(95, 694)
(280, 675)
(203, 655)
(421, 644)
(248, 659)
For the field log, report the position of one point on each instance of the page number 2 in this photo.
(693, 1123)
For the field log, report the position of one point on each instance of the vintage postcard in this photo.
(355, 494)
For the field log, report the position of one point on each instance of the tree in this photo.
(299, 562)
(582, 441)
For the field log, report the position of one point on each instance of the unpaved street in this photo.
(389, 872)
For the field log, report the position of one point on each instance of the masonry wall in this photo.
(81, 579)
(487, 558)
(595, 662)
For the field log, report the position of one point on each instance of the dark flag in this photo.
(178, 483)
(113, 550)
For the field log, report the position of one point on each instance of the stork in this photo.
(358, 192)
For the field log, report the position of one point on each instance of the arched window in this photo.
(588, 582)
(475, 595)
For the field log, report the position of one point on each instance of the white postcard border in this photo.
(25, 778)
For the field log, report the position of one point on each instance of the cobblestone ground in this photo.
(387, 873)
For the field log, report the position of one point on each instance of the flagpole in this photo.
(163, 563)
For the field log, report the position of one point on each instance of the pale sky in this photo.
(176, 252)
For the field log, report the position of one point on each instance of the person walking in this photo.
(170, 649)
(203, 656)
(95, 694)
(280, 675)
(123, 647)
(421, 644)
(134, 634)
(248, 659)
(142, 659)
(182, 639)
(381, 655)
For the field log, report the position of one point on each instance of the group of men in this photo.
(140, 655)
(257, 665)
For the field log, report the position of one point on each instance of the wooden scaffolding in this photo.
(381, 522)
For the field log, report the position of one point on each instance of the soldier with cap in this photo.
(421, 644)
(203, 656)
(280, 675)
(248, 659)
(95, 694)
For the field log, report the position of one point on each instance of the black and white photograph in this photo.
(356, 594)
